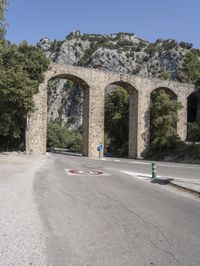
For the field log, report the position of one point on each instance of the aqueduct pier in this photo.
(94, 83)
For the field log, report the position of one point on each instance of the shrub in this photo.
(186, 45)
(193, 132)
(61, 137)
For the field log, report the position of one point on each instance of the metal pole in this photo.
(154, 170)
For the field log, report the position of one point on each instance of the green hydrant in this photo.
(154, 173)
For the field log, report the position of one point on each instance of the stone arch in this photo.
(36, 139)
(85, 88)
(133, 116)
(68, 76)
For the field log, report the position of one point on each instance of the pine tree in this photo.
(163, 121)
(190, 70)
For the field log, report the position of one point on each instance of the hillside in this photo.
(121, 52)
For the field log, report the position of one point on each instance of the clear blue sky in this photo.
(149, 19)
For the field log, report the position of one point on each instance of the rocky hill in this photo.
(121, 52)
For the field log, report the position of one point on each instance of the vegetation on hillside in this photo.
(190, 70)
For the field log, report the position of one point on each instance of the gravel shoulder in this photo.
(22, 238)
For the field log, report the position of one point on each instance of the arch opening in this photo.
(120, 130)
(168, 91)
(67, 101)
(193, 117)
(163, 118)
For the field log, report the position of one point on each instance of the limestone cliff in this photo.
(121, 52)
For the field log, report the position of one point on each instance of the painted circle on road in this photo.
(85, 172)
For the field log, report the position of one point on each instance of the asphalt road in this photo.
(115, 219)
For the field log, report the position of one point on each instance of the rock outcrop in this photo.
(121, 52)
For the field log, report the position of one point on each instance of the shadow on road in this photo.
(162, 181)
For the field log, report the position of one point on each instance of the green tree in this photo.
(3, 6)
(163, 121)
(190, 70)
(21, 72)
(117, 121)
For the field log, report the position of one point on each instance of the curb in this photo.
(185, 188)
(195, 188)
(190, 185)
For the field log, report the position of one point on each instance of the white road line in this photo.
(141, 163)
(168, 165)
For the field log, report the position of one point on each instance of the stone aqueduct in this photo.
(94, 83)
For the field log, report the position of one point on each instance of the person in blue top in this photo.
(100, 147)
(100, 150)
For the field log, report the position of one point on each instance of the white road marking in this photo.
(85, 173)
(167, 165)
(140, 162)
(176, 179)
(140, 176)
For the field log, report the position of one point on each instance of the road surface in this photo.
(115, 219)
(50, 216)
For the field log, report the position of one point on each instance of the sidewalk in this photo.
(193, 185)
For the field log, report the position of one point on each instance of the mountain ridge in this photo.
(120, 52)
